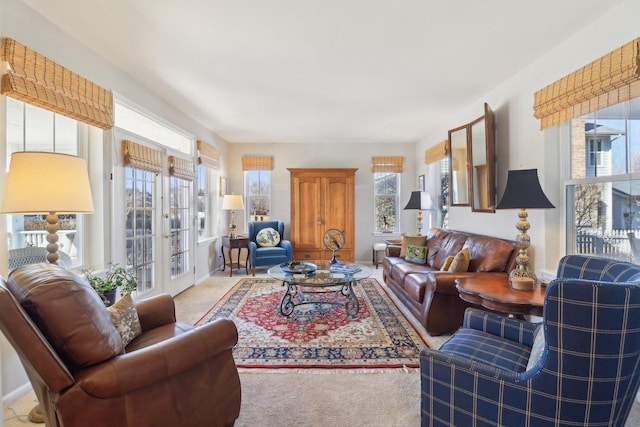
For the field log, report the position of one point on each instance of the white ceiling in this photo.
(321, 70)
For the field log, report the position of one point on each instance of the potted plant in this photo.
(107, 283)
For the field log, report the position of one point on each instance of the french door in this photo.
(152, 216)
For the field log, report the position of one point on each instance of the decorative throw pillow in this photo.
(125, 318)
(460, 261)
(411, 240)
(268, 237)
(417, 254)
(538, 347)
(447, 263)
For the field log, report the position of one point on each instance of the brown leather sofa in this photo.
(430, 294)
(173, 374)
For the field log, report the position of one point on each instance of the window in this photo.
(443, 200)
(257, 194)
(386, 202)
(30, 128)
(603, 192)
(202, 204)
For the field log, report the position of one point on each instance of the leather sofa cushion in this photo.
(69, 313)
(414, 285)
(441, 245)
(488, 254)
(401, 269)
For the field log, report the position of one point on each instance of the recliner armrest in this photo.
(516, 330)
(156, 311)
(132, 371)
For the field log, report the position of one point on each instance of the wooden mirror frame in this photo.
(482, 162)
(479, 168)
(458, 149)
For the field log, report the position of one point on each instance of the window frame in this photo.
(248, 198)
(396, 204)
(51, 144)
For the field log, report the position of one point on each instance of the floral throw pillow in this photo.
(417, 254)
(125, 318)
(268, 237)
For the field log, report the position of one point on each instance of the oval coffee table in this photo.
(307, 288)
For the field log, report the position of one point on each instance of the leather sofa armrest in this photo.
(393, 250)
(132, 371)
(445, 281)
(156, 311)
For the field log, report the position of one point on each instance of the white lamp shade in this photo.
(40, 182)
(232, 202)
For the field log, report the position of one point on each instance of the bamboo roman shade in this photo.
(181, 168)
(141, 157)
(436, 153)
(257, 163)
(208, 156)
(609, 80)
(387, 164)
(36, 80)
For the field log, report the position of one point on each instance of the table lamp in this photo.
(523, 192)
(233, 203)
(40, 182)
(420, 201)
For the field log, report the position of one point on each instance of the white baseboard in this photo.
(16, 394)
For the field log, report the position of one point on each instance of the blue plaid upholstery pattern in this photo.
(588, 374)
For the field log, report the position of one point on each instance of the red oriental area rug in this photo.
(317, 335)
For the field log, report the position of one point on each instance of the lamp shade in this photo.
(420, 200)
(523, 191)
(40, 182)
(232, 202)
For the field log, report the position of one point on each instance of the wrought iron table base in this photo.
(294, 297)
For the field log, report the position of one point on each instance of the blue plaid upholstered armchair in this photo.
(580, 366)
(268, 253)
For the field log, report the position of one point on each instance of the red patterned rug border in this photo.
(410, 323)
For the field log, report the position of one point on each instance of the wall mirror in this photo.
(459, 166)
(482, 163)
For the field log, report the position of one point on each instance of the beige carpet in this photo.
(305, 397)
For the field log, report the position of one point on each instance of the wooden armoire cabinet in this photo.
(322, 199)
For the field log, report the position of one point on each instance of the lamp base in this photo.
(522, 274)
(52, 238)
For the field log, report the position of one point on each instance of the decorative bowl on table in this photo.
(298, 267)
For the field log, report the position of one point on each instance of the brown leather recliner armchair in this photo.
(173, 374)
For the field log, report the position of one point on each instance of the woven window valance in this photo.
(609, 80)
(141, 157)
(208, 156)
(181, 168)
(257, 163)
(436, 153)
(36, 80)
(387, 164)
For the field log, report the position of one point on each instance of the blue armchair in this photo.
(580, 366)
(261, 255)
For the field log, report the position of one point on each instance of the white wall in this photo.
(328, 156)
(520, 141)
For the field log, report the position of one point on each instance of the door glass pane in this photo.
(180, 212)
(140, 227)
